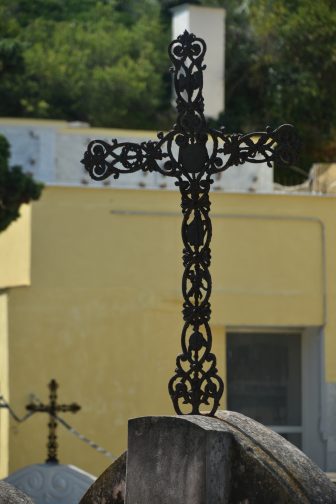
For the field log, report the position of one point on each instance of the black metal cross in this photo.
(52, 409)
(192, 153)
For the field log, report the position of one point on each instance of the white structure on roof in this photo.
(52, 151)
(207, 23)
(52, 483)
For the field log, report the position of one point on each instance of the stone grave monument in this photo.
(211, 456)
(195, 459)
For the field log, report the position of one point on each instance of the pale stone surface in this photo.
(202, 460)
(52, 483)
(178, 460)
(323, 178)
(11, 495)
(268, 469)
(110, 487)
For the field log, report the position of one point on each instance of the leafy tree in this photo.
(25, 11)
(101, 61)
(296, 67)
(11, 62)
(16, 187)
(11, 70)
(91, 61)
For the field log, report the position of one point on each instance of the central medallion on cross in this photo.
(192, 153)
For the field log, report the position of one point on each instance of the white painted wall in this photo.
(52, 151)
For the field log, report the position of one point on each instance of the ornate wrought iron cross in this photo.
(52, 409)
(192, 153)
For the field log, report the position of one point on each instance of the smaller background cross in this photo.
(52, 409)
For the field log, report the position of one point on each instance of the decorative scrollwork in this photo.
(196, 381)
(102, 159)
(191, 152)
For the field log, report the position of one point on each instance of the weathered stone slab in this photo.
(202, 460)
(110, 487)
(178, 460)
(268, 469)
(11, 495)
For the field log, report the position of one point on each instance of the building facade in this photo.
(102, 310)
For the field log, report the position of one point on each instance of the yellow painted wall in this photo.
(14, 271)
(103, 313)
(15, 247)
(4, 386)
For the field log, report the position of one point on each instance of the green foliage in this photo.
(11, 69)
(25, 11)
(90, 61)
(103, 61)
(281, 67)
(16, 187)
(297, 59)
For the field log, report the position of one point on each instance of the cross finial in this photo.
(192, 153)
(52, 409)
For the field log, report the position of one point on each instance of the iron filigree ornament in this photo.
(192, 153)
